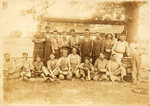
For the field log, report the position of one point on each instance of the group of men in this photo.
(60, 57)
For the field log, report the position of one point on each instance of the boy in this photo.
(75, 59)
(64, 66)
(100, 67)
(115, 68)
(26, 67)
(39, 70)
(86, 69)
(52, 66)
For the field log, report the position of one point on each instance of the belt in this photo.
(56, 49)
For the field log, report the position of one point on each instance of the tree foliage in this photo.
(15, 34)
(108, 11)
(37, 13)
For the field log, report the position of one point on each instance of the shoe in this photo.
(133, 83)
(107, 79)
(100, 79)
(122, 80)
(51, 79)
(48, 80)
(82, 79)
(26, 78)
(73, 79)
(112, 78)
(48, 75)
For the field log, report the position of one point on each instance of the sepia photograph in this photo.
(74, 52)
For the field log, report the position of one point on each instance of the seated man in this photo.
(86, 69)
(9, 67)
(26, 67)
(39, 70)
(52, 66)
(115, 68)
(75, 59)
(64, 67)
(100, 67)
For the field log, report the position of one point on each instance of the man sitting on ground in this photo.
(100, 67)
(86, 69)
(115, 69)
(39, 70)
(9, 68)
(64, 67)
(75, 59)
(52, 66)
(26, 67)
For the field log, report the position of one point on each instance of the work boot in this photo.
(83, 79)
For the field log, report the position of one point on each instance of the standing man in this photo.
(64, 42)
(74, 41)
(86, 45)
(38, 40)
(56, 45)
(107, 45)
(136, 52)
(48, 47)
(120, 48)
(97, 47)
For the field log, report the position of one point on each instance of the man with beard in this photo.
(100, 68)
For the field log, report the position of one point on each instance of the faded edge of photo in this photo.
(1, 70)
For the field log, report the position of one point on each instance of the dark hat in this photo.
(87, 58)
(109, 34)
(103, 53)
(24, 53)
(87, 30)
(6, 54)
(47, 27)
(72, 30)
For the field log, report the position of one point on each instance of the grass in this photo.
(67, 92)
(72, 92)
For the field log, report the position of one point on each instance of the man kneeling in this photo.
(64, 67)
(115, 69)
